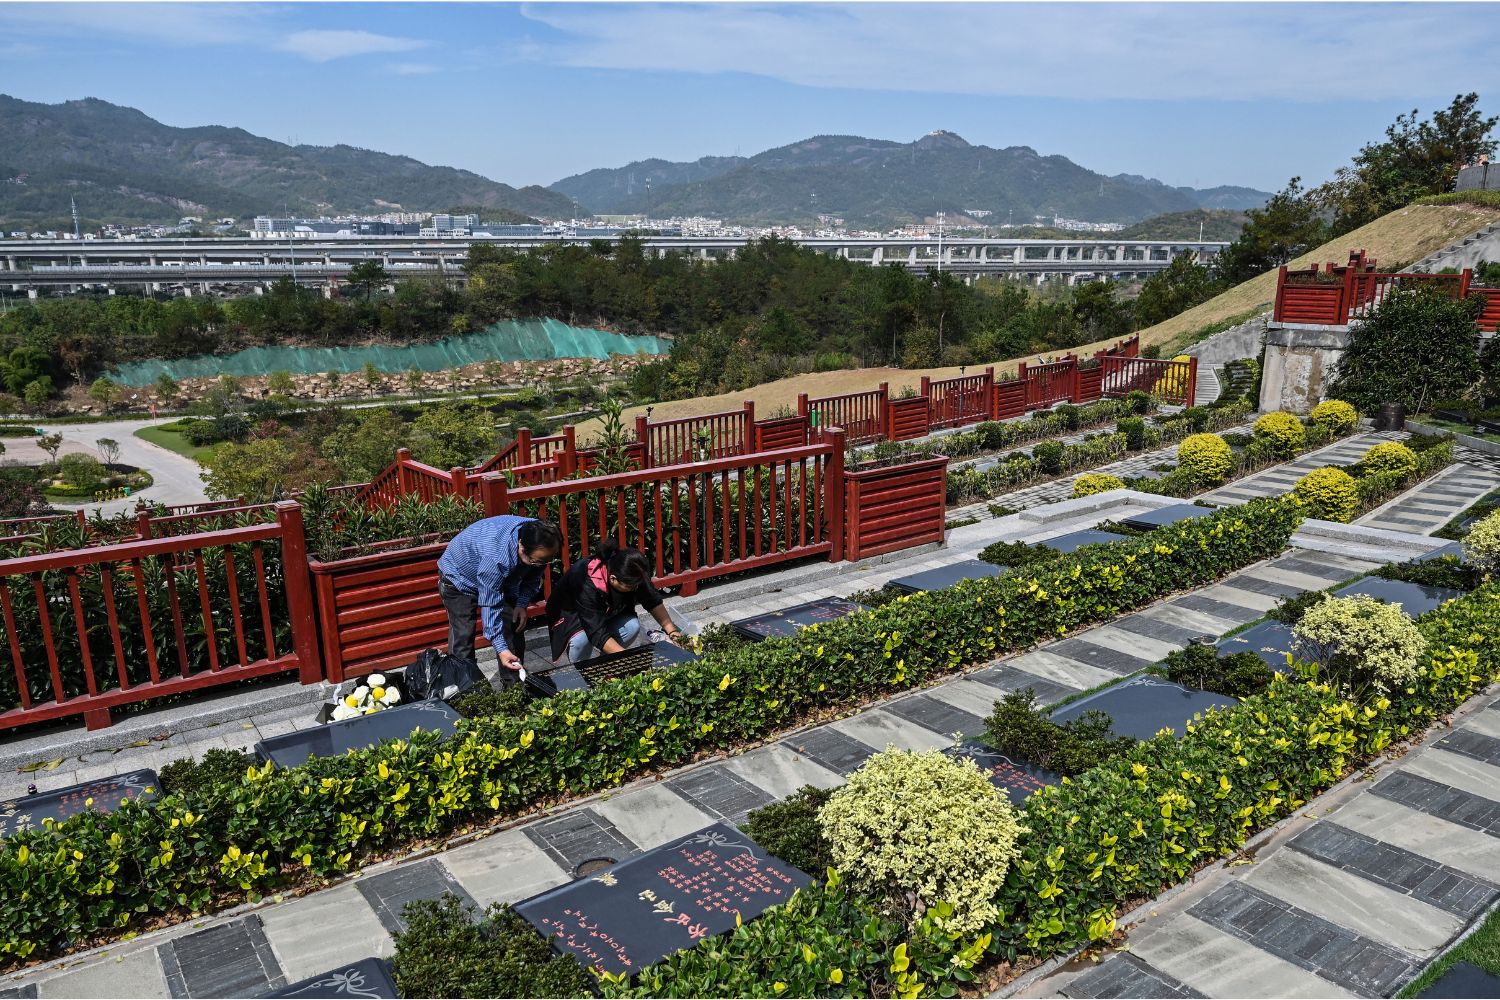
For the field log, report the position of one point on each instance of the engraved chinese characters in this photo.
(638, 912)
(28, 811)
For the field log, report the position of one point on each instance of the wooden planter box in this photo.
(378, 611)
(909, 418)
(890, 507)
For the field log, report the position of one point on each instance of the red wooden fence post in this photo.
(1075, 390)
(492, 489)
(460, 477)
(643, 435)
(1277, 311)
(1192, 380)
(523, 446)
(299, 597)
(883, 412)
(403, 474)
(1347, 301)
(833, 492)
(801, 404)
(142, 522)
(1022, 377)
(568, 461)
(748, 436)
(926, 393)
(1464, 278)
(989, 392)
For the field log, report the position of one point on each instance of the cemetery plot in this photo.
(610, 666)
(337, 738)
(946, 576)
(1163, 516)
(368, 977)
(779, 624)
(1142, 706)
(1270, 641)
(1414, 598)
(105, 794)
(1454, 549)
(1463, 981)
(637, 912)
(1017, 779)
(1074, 540)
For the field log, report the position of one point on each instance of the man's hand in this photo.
(519, 616)
(509, 660)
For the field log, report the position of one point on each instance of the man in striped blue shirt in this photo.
(494, 565)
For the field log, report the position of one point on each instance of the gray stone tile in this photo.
(1397, 868)
(578, 835)
(390, 891)
(1008, 678)
(938, 716)
(835, 751)
(1223, 965)
(26, 992)
(1125, 975)
(882, 729)
(781, 771)
(323, 929)
(1334, 953)
(1063, 670)
(652, 815)
(137, 974)
(1472, 744)
(1105, 658)
(231, 960)
(1219, 609)
(1155, 628)
(720, 792)
(1425, 795)
(1199, 622)
(505, 867)
(1325, 570)
(1261, 585)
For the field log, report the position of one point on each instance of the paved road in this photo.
(177, 480)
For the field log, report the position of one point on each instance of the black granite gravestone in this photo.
(637, 912)
(1270, 641)
(1142, 706)
(1463, 981)
(1454, 549)
(1074, 540)
(946, 576)
(27, 812)
(368, 977)
(337, 738)
(1016, 779)
(1415, 599)
(1165, 515)
(611, 666)
(787, 621)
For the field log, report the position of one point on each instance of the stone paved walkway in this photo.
(278, 942)
(1279, 479)
(1352, 896)
(1436, 501)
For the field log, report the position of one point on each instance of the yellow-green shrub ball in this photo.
(1329, 493)
(1206, 456)
(1283, 431)
(1336, 415)
(1090, 483)
(1390, 456)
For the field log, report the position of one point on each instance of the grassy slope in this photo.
(1395, 240)
(174, 441)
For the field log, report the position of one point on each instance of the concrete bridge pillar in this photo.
(109, 289)
(203, 260)
(153, 261)
(31, 293)
(260, 289)
(11, 261)
(328, 291)
(265, 259)
(877, 256)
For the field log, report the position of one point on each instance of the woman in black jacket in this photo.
(592, 609)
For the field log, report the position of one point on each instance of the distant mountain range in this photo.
(124, 166)
(878, 182)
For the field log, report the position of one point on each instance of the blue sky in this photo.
(1197, 94)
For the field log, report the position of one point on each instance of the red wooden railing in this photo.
(954, 402)
(862, 415)
(1171, 381)
(86, 630)
(688, 439)
(16, 526)
(1051, 383)
(699, 520)
(1339, 295)
(190, 522)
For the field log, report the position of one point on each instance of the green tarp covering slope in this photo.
(511, 340)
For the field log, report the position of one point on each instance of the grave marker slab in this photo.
(611, 666)
(944, 577)
(368, 977)
(1454, 549)
(1142, 706)
(1463, 981)
(637, 912)
(1163, 516)
(1414, 598)
(1017, 779)
(1074, 540)
(337, 738)
(787, 621)
(26, 812)
(1270, 641)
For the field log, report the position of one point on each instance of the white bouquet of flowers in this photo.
(371, 695)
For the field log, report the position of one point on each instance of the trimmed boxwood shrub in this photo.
(1390, 456)
(789, 830)
(1238, 675)
(1328, 493)
(1336, 415)
(97, 873)
(1282, 432)
(1090, 483)
(1206, 457)
(1020, 729)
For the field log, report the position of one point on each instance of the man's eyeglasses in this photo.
(536, 560)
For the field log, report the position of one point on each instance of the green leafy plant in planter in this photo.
(1205, 457)
(789, 830)
(1444, 571)
(218, 768)
(448, 950)
(1091, 483)
(1482, 545)
(1390, 456)
(918, 828)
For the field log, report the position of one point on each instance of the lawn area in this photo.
(1482, 948)
(174, 441)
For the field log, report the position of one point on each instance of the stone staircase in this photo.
(1484, 244)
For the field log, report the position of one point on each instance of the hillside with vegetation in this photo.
(879, 182)
(123, 166)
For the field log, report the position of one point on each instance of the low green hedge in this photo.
(1143, 820)
(108, 873)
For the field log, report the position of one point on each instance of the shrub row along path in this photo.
(250, 950)
(1351, 896)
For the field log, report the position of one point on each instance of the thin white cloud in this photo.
(1245, 51)
(413, 69)
(324, 45)
(169, 23)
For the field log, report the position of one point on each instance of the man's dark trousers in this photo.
(462, 608)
